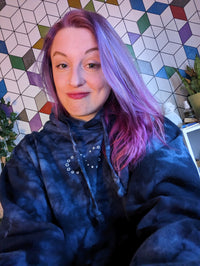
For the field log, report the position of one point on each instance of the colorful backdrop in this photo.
(161, 35)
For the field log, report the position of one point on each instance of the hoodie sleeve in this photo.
(167, 195)
(28, 235)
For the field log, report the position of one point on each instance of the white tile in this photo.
(11, 86)
(155, 20)
(51, 9)
(120, 1)
(44, 118)
(23, 83)
(5, 65)
(152, 86)
(164, 84)
(103, 11)
(156, 30)
(62, 7)
(157, 63)
(162, 39)
(114, 10)
(34, 36)
(146, 78)
(40, 12)
(113, 21)
(29, 103)
(24, 127)
(21, 29)
(150, 43)
(171, 26)
(173, 36)
(52, 20)
(120, 29)
(20, 50)
(148, 3)
(45, 22)
(16, 19)
(131, 26)
(162, 96)
(11, 97)
(29, 26)
(19, 137)
(18, 73)
(180, 23)
(6, 34)
(21, 2)
(197, 3)
(166, 16)
(8, 11)
(2, 57)
(147, 55)
(138, 47)
(134, 15)
(10, 75)
(28, 16)
(97, 6)
(190, 9)
(11, 42)
(195, 28)
(125, 7)
(168, 59)
(22, 39)
(5, 23)
(193, 41)
(149, 33)
(171, 48)
(30, 114)
(31, 91)
(30, 4)
(195, 18)
(84, 2)
(12, 3)
(180, 57)
(164, 1)
(125, 39)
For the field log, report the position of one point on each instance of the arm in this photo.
(28, 235)
(167, 189)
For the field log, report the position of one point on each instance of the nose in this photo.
(76, 78)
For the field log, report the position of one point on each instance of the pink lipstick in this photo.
(77, 96)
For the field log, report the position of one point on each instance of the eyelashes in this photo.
(92, 66)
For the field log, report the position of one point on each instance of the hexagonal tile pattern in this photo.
(160, 35)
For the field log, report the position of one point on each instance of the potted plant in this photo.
(192, 85)
(7, 134)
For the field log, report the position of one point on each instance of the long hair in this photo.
(137, 115)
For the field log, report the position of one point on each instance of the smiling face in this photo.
(80, 83)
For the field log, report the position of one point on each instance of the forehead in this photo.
(73, 40)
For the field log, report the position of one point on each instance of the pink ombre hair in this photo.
(137, 115)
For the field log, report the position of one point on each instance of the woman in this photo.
(107, 181)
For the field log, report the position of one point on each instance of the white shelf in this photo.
(191, 136)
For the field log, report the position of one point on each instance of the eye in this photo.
(93, 66)
(62, 66)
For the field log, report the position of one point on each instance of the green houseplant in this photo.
(7, 134)
(192, 84)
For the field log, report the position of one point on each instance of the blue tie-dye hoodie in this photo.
(65, 205)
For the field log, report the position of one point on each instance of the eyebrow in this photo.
(86, 52)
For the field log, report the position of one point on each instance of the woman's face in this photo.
(80, 83)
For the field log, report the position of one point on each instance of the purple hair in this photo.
(138, 114)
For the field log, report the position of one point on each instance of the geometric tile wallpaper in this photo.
(161, 35)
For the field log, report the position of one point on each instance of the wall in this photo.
(161, 35)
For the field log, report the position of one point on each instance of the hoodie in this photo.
(65, 205)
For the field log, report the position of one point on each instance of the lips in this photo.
(78, 96)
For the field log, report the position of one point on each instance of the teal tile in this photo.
(143, 23)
